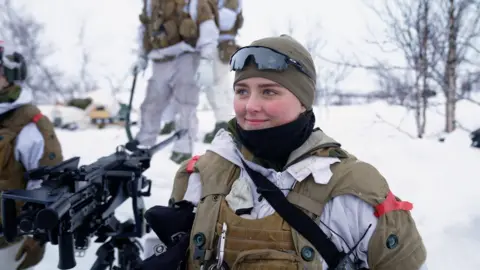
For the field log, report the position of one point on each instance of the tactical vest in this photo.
(269, 242)
(170, 22)
(11, 170)
(233, 5)
(227, 48)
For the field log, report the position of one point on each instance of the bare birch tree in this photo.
(447, 46)
(22, 32)
(456, 42)
(408, 30)
(85, 81)
(395, 87)
(46, 80)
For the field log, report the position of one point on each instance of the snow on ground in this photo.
(439, 178)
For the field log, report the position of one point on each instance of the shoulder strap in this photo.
(214, 6)
(301, 222)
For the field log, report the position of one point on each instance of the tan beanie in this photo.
(294, 80)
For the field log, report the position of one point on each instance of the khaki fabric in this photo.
(171, 23)
(350, 176)
(181, 183)
(227, 48)
(273, 247)
(52, 154)
(30, 253)
(81, 103)
(12, 171)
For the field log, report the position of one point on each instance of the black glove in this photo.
(172, 225)
(171, 222)
(173, 258)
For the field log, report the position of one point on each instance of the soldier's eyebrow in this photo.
(262, 85)
(241, 85)
(268, 85)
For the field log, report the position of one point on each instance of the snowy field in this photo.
(439, 178)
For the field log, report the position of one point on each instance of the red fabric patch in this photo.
(191, 164)
(391, 204)
(37, 117)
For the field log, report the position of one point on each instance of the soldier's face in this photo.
(261, 103)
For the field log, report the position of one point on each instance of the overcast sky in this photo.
(111, 30)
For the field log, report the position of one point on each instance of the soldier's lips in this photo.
(255, 122)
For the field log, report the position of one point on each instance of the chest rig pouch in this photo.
(226, 49)
(170, 23)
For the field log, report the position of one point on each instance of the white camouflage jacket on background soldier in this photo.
(228, 18)
(206, 44)
(215, 79)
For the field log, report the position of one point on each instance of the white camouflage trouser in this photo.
(7, 257)
(171, 79)
(220, 92)
(219, 95)
(170, 113)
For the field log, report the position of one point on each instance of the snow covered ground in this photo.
(439, 178)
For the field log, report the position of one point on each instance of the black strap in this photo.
(296, 218)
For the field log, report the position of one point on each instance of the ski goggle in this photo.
(12, 67)
(265, 59)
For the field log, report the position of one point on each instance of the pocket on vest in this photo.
(188, 29)
(264, 259)
(171, 30)
(226, 49)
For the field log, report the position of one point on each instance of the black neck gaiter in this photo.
(275, 144)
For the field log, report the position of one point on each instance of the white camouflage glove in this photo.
(240, 198)
(140, 65)
(205, 76)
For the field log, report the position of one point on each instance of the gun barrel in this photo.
(49, 217)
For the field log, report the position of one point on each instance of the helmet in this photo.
(12, 64)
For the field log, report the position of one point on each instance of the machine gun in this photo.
(76, 203)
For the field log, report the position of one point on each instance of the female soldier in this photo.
(249, 186)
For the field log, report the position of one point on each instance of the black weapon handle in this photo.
(9, 219)
(66, 250)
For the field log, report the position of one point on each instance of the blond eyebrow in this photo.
(241, 85)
